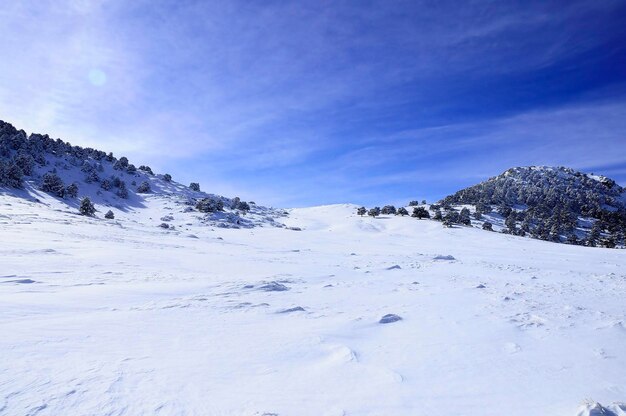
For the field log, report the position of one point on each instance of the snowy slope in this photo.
(125, 318)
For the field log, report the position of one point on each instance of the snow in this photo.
(121, 317)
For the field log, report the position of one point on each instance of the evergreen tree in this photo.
(374, 212)
(388, 210)
(53, 184)
(167, 177)
(109, 215)
(487, 226)
(194, 186)
(72, 190)
(420, 212)
(86, 207)
(402, 211)
(361, 211)
(464, 217)
(144, 188)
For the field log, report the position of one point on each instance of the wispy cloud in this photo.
(290, 101)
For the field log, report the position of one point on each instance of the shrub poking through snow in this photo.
(361, 211)
(487, 226)
(86, 207)
(144, 187)
(402, 211)
(167, 177)
(194, 186)
(109, 215)
(210, 205)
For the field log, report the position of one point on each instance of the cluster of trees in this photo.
(548, 203)
(418, 212)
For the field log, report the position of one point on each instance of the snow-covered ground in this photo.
(122, 317)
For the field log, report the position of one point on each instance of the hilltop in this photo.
(58, 175)
(550, 203)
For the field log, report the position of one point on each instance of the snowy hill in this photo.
(188, 303)
(551, 203)
(57, 175)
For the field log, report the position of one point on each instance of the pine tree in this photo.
(144, 188)
(53, 184)
(72, 190)
(109, 215)
(388, 210)
(420, 212)
(374, 212)
(464, 217)
(86, 207)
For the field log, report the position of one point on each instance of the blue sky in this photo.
(301, 103)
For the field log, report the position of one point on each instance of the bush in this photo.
(106, 185)
(121, 164)
(402, 211)
(146, 169)
(487, 226)
(420, 212)
(167, 177)
(194, 186)
(243, 206)
(86, 207)
(72, 190)
(53, 184)
(122, 192)
(109, 215)
(388, 210)
(210, 205)
(144, 188)
(374, 212)
(10, 175)
(361, 211)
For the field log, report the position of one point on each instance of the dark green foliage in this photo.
(374, 212)
(72, 190)
(86, 207)
(210, 205)
(464, 217)
(146, 169)
(420, 212)
(121, 164)
(53, 184)
(11, 174)
(144, 187)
